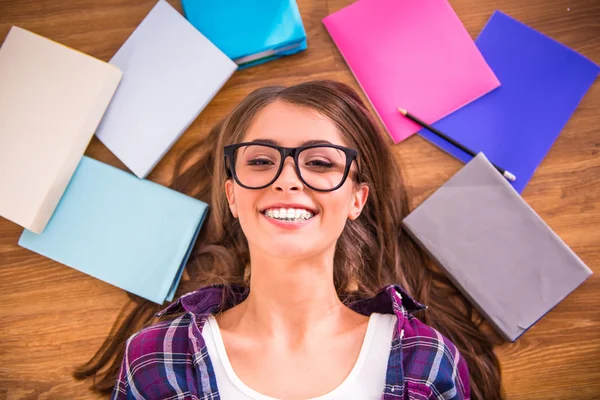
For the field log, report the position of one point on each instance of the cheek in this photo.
(245, 201)
(335, 208)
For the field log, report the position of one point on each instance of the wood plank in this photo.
(54, 317)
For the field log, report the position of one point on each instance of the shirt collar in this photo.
(214, 298)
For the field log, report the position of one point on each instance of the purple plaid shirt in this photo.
(169, 360)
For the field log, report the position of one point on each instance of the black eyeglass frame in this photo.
(286, 152)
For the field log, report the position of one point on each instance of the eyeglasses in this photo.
(321, 167)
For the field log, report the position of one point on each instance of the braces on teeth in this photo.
(289, 214)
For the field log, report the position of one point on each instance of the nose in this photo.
(288, 180)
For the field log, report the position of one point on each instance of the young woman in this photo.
(306, 274)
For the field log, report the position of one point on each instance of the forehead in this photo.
(290, 126)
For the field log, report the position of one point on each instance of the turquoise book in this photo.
(129, 232)
(249, 32)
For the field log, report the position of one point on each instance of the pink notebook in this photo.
(413, 54)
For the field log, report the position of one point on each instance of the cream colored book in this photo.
(52, 99)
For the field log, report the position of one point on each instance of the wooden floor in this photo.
(53, 317)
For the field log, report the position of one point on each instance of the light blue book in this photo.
(132, 233)
(250, 32)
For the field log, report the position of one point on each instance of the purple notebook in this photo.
(542, 82)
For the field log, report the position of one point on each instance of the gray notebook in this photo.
(504, 258)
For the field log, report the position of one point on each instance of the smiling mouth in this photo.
(289, 214)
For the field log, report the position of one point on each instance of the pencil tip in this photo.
(402, 111)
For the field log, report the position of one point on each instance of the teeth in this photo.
(289, 214)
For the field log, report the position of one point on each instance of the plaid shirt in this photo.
(169, 360)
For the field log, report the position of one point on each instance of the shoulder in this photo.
(433, 366)
(163, 337)
(158, 361)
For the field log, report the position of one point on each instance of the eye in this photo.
(260, 162)
(320, 164)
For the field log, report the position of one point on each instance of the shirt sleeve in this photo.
(128, 382)
(434, 368)
(155, 364)
(449, 382)
(122, 390)
(449, 377)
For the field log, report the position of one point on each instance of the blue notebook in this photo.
(250, 32)
(542, 82)
(131, 233)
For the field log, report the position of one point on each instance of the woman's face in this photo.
(292, 126)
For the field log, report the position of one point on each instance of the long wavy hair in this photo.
(372, 251)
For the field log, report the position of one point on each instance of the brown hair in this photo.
(372, 251)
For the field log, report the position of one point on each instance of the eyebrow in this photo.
(276, 143)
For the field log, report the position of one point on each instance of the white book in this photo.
(171, 72)
(51, 101)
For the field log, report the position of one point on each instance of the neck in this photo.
(289, 299)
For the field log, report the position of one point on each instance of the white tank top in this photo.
(365, 381)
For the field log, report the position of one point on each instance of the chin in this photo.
(290, 248)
